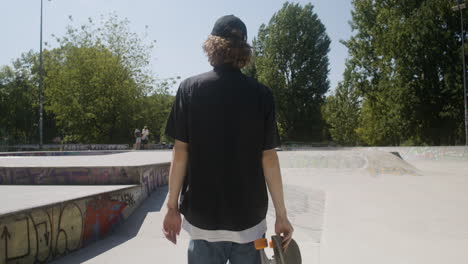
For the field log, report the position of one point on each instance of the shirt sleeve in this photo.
(177, 124)
(271, 135)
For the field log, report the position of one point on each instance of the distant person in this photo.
(137, 134)
(145, 136)
(58, 141)
(223, 185)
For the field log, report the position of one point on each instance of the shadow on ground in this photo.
(127, 231)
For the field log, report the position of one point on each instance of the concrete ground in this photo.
(23, 197)
(346, 206)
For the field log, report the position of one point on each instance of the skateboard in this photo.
(291, 256)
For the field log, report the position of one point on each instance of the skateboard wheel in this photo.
(261, 243)
(272, 245)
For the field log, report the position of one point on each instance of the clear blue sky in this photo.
(178, 26)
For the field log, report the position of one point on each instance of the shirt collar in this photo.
(226, 68)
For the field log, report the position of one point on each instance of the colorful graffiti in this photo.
(57, 176)
(68, 147)
(41, 235)
(58, 153)
(102, 216)
(155, 176)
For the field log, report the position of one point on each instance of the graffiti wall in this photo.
(68, 147)
(43, 234)
(60, 153)
(59, 176)
(154, 176)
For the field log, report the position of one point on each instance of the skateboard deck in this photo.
(291, 256)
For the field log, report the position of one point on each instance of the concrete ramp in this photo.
(51, 226)
(356, 205)
(347, 206)
(374, 163)
(40, 222)
(447, 153)
(98, 169)
(323, 159)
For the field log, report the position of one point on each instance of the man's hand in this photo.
(172, 225)
(283, 227)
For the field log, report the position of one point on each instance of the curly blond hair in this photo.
(236, 53)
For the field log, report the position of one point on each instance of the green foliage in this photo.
(405, 63)
(19, 100)
(341, 112)
(92, 95)
(251, 68)
(291, 58)
(155, 110)
(97, 85)
(132, 50)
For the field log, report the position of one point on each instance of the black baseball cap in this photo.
(230, 27)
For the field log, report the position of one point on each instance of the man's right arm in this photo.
(271, 170)
(172, 220)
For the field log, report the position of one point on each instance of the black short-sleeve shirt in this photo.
(228, 120)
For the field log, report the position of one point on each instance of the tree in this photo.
(92, 95)
(18, 94)
(97, 87)
(19, 102)
(341, 112)
(251, 68)
(155, 109)
(405, 63)
(113, 33)
(291, 57)
(96, 81)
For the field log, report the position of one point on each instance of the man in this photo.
(137, 134)
(224, 127)
(144, 136)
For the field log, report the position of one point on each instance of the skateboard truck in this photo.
(291, 256)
